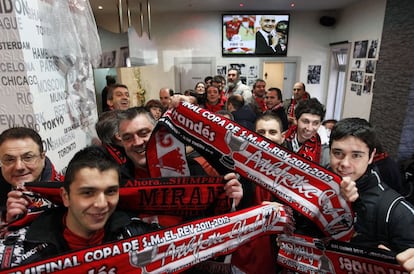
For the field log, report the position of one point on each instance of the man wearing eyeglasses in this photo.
(22, 159)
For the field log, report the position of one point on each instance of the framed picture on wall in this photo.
(368, 83)
(360, 49)
(373, 49)
(221, 70)
(370, 68)
(314, 74)
(108, 59)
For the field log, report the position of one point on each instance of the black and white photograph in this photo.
(240, 67)
(370, 68)
(314, 74)
(373, 49)
(253, 71)
(356, 76)
(356, 87)
(367, 83)
(221, 70)
(358, 64)
(108, 59)
(123, 57)
(360, 49)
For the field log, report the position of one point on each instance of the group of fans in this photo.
(90, 191)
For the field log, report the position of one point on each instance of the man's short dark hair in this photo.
(356, 127)
(278, 92)
(110, 80)
(310, 106)
(217, 79)
(208, 78)
(130, 114)
(111, 89)
(236, 100)
(89, 157)
(107, 126)
(268, 116)
(21, 133)
(258, 81)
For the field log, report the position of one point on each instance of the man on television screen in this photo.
(233, 27)
(268, 40)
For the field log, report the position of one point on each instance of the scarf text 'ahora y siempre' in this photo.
(307, 187)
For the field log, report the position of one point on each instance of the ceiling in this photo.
(108, 17)
(160, 6)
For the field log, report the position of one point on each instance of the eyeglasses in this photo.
(27, 159)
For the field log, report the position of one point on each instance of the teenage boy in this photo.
(90, 195)
(303, 137)
(383, 217)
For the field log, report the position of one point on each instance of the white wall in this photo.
(199, 35)
(361, 21)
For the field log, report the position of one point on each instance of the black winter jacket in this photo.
(381, 219)
(44, 237)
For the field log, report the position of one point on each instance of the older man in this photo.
(22, 160)
(235, 86)
(165, 97)
(299, 94)
(267, 39)
(135, 128)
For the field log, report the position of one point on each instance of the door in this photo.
(189, 71)
(281, 75)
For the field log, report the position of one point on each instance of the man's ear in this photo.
(371, 158)
(65, 196)
(283, 138)
(117, 137)
(109, 103)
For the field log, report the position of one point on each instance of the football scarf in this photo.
(305, 186)
(178, 196)
(310, 149)
(303, 254)
(170, 250)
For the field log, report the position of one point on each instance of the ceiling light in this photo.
(241, 5)
(292, 5)
(100, 8)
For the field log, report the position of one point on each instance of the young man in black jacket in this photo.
(383, 217)
(90, 195)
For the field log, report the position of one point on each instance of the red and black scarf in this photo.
(311, 149)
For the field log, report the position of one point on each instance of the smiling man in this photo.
(118, 97)
(90, 195)
(304, 137)
(23, 160)
(383, 217)
(268, 41)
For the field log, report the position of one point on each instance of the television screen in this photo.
(255, 34)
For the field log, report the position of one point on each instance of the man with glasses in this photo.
(22, 160)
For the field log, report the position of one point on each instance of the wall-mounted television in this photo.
(248, 34)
